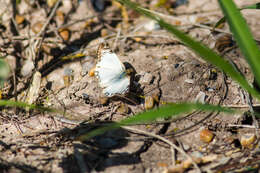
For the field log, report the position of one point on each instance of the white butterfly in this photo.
(111, 73)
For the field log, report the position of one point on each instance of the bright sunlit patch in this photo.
(111, 73)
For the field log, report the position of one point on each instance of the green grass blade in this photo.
(254, 6)
(203, 51)
(242, 35)
(151, 116)
(25, 105)
(223, 19)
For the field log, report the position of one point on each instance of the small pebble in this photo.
(104, 32)
(205, 76)
(146, 78)
(36, 28)
(51, 3)
(27, 68)
(91, 72)
(138, 39)
(186, 147)
(19, 19)
(210, 89)
(65, 34)
(200, 97)
(248, 140)
(46, 48)
(206, 136)
(148, 102)
(123, 109)
(151, 25)
(103, 100)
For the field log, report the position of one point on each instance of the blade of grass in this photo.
(242, 35)
(223, 19)
(162, 112)
(203, 51)
(25, 105)
(254, 6)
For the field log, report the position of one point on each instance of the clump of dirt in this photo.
(59, 40)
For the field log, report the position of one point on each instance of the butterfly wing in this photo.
(118, 86)
(111, 73)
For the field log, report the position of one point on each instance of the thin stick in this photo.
(17, 126)
(173, 156)
(211, 28)
(43, 29)
(244, 126)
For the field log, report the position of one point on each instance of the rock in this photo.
(36, 28)
(103, 100)
(248, 140)
(200, 97)
(123, 109)
(56, 77)
(27, 68)
(65, 34)
(51, 3)
(206, 135)
(148, 102)
(19, 19)
(146, 78)
(151, 25)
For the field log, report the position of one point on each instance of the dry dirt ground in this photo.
(52, 52)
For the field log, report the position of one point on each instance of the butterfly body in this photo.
(111, 73)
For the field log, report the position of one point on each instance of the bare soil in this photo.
(33, 141)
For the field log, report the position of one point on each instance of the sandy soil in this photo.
(33, 141)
